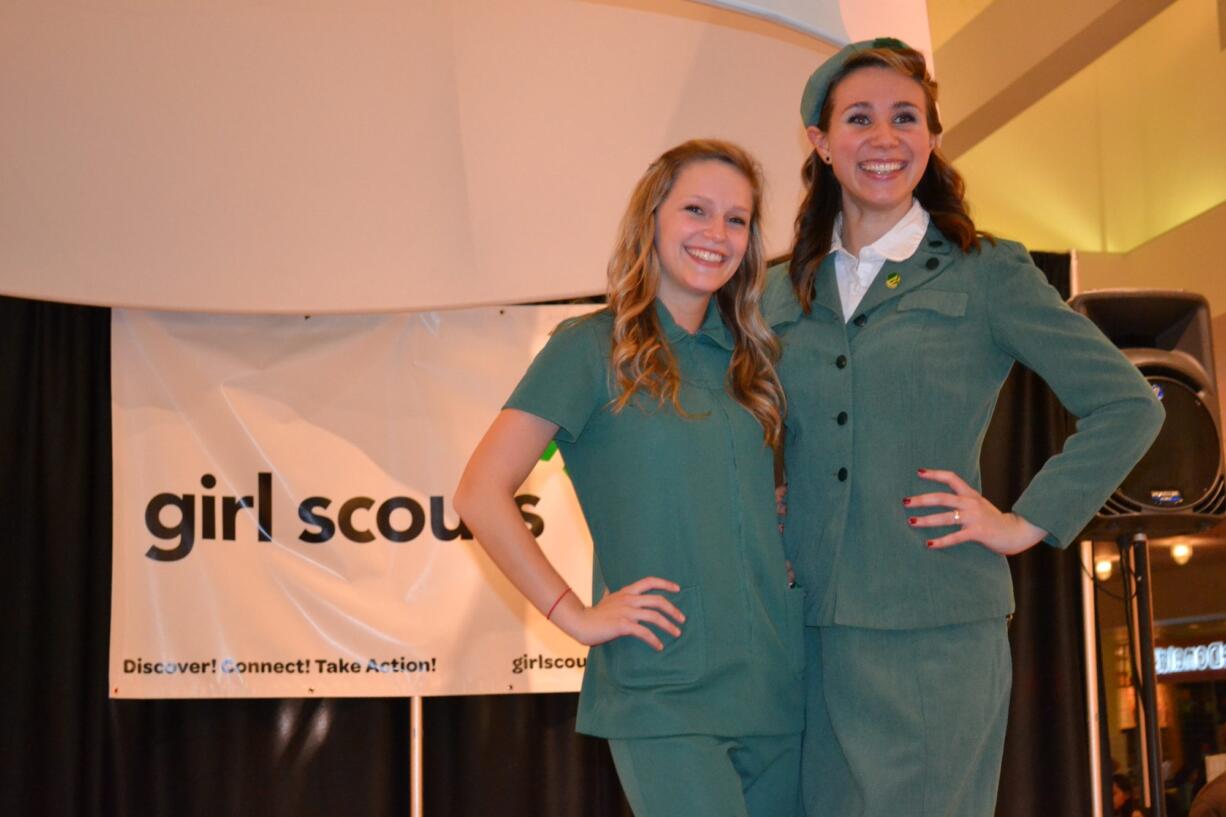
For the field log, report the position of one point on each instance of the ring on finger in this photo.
(957, 517)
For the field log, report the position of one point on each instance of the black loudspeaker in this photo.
(1178, 486)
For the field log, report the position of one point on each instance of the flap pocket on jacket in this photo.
(952, 304)
(633, 664)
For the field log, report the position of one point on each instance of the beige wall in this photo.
(1188, 257)
(1092, 165)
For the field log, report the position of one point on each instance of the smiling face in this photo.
(702, 231)
(877, 142)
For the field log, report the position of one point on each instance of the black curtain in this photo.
(70, 750)
(55, 507)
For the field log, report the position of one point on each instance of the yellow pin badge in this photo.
(893, 280)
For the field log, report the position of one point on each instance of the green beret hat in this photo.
(818, 86)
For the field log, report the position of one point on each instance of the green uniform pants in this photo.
(905, 721)
(708, 776)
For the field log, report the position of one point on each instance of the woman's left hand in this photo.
(981, 521)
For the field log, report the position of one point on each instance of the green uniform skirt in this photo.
(905, 721)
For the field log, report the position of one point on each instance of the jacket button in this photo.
(860, 320)
(842, 475)
(932, 263)
(841, 361)
(842, 418)
(936, 242)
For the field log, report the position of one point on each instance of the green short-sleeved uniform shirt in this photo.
(690, 500)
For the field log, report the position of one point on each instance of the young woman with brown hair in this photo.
(899, 323)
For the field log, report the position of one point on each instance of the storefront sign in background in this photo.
(1196, 661)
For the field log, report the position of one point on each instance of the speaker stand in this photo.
(1134, 556)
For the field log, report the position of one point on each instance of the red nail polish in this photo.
(911, 520)
(906, 500)
(930, 543)
(922, 471)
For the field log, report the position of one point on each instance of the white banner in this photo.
(282, 508)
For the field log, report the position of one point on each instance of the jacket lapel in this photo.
(826, 289)
(779, 303)
(897, 278)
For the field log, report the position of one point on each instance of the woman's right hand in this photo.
(624, 612)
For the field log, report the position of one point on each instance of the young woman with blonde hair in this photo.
(665, 406)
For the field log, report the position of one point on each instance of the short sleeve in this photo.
(567, 382)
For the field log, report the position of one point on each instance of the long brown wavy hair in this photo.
(642, 360)
(940, 191)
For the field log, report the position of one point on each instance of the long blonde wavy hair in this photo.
(642, 360)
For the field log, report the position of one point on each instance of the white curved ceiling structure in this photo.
(319, 156)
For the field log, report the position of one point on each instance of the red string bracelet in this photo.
(554, 606)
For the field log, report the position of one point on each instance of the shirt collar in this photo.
(712, 326)
(900, 241)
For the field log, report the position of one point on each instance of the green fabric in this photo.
(922, 365)
(818, 86)
(702, 776)
(905, 721)
(689, 500)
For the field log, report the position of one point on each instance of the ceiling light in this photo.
(1181, 553)
(1103, 568)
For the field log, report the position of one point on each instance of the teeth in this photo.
(881, 167)
(706, 255)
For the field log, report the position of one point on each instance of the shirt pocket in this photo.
(949, 304)
(942, 341)
(633, 664)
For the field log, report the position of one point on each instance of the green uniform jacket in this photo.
(689, 500)
(910, 382)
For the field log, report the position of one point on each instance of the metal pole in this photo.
(1142, 612)
(415, 742)
(1089, 632)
